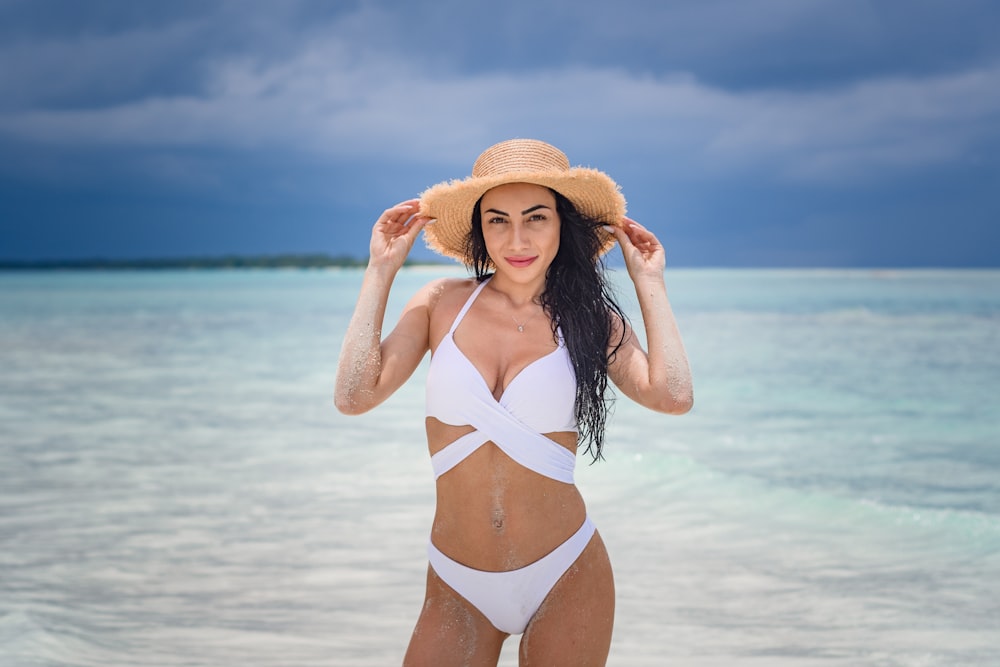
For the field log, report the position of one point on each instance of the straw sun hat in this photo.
(451, 203)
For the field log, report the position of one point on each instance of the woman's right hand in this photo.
(394, 233)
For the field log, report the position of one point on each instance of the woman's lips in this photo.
(520, 262)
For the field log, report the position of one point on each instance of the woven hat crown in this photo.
(520, 155)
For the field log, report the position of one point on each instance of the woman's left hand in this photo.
(644, 256)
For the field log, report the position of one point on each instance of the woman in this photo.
(521, 355)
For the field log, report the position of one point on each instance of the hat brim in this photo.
(451, 204)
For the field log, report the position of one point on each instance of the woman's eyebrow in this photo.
(524, 212)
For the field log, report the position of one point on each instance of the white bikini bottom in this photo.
(509, 599)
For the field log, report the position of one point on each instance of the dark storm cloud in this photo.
(724, 43)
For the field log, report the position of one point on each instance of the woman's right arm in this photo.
(371, 369)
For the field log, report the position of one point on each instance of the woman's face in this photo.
(521, 229)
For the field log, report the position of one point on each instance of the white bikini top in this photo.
(540, 399)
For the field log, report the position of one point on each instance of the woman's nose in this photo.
(518, 237)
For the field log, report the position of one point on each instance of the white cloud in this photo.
(878, 124)
(344, 99)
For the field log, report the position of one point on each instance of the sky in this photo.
(770, 133)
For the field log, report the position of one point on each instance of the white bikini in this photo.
(540, 399)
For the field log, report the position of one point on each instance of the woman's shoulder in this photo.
(445, 298)
(444, 290)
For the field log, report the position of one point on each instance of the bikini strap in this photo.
(468, 304)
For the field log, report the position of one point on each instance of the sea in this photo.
(177, 488)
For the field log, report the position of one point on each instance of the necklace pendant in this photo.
(520, 328)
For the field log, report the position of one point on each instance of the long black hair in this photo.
(579, 301)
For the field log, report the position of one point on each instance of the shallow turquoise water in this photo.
(177, 489)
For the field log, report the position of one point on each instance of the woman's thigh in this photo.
(573, 625)
(450, 631)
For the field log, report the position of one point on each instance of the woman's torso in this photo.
(494, 513)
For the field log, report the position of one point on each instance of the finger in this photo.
(620, 235)
(631, 226)
(407, 204)
(400, 212)
(631, 236)
(641, 236)
(415, 224)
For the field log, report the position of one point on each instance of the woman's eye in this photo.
(537, 217)
(495, 220)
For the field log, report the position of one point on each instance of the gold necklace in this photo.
(520, 325)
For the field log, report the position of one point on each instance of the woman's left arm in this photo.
(659, 379)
